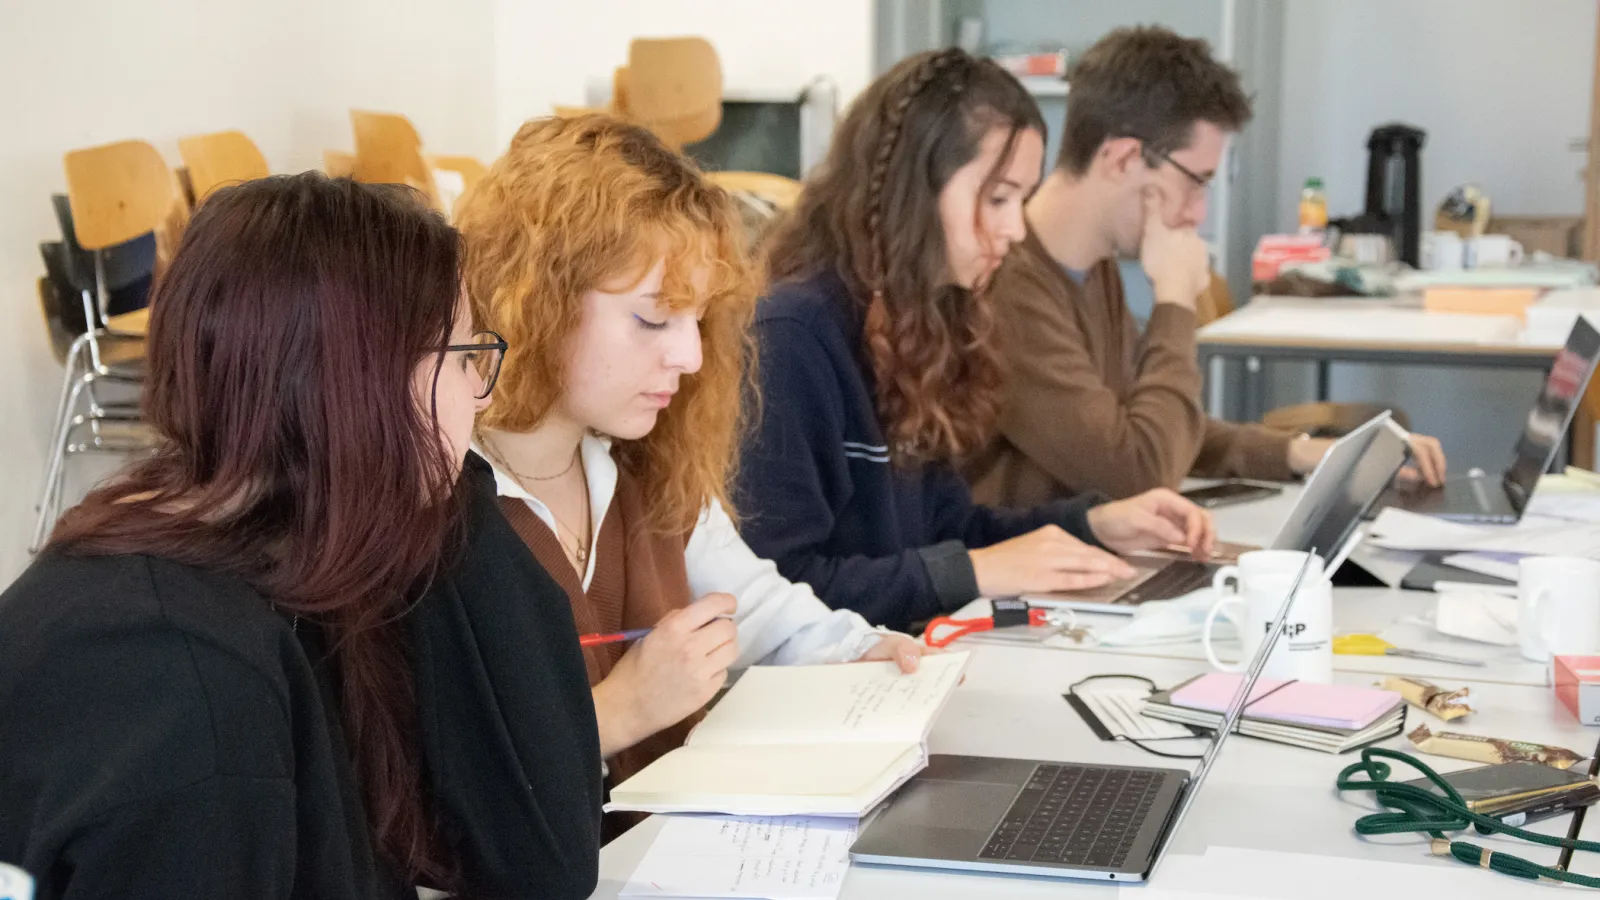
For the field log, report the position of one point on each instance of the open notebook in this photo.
(828, 740)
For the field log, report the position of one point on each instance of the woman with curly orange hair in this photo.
(880, 370)
(618, 275)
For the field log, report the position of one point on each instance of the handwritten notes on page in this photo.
(788, 858)
(854, 702)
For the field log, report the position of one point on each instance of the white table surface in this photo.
(1369, 321)
(1260, 795)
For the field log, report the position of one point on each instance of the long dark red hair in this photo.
(294, 452)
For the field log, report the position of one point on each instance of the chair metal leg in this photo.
(68, 376)
(50, 491)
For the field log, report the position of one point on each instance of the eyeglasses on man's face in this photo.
(1156, 157)
(484, 354)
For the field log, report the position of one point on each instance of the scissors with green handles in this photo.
(1372, 645)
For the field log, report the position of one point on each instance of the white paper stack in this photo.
(792, 858)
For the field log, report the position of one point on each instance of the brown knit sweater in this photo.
(1092, 404)
(639, 577)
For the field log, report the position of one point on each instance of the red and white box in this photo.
(1274, 251)
(1577, 680)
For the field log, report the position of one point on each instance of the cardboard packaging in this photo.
(1577, 681)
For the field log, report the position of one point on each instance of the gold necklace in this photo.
(494, 449)
(579, 549)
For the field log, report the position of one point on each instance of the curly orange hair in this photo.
(578, 203)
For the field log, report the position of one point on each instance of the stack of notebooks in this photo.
(801, 740)
(1333, 718)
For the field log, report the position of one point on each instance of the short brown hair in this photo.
(1148, 83)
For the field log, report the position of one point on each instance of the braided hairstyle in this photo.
(870, 212)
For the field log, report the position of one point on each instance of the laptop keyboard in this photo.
(1172, 580)
(1077, 815)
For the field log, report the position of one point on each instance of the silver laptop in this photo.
(1350, 478)
(1499, 499)
(1064, 820)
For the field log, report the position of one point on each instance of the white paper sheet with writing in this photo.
(856, 703)
(762, 858)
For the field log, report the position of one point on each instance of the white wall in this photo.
(546, 51)
(1502, 88)
(82, 72)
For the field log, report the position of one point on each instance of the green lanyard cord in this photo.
(1416, 809)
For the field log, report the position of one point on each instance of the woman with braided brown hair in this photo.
(879, 369)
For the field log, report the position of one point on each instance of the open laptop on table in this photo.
(1499, 499)
(1059, 819)
(1344, 485)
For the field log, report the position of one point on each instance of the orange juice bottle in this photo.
(1313, 206)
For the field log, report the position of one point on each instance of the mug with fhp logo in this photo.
(1249, 596)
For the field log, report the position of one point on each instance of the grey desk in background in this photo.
(1366, 331)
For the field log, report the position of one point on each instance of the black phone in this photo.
(1230, 492)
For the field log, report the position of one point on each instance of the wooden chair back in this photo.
(117, 192)
(783, 193)
(223, 158)
(673, 86)
(388, 151)
(1215, 302)
(338, 164)
(470, 167)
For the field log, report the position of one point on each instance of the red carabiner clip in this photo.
(1007, 613)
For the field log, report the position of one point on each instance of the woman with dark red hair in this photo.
(297, 651)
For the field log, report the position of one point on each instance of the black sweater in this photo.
(818, 495)
(164, 733)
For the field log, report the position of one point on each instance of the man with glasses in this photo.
(1093, 404)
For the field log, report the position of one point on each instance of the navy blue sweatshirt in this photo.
(818, 495)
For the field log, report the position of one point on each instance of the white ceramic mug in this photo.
(1443, 251)
(1367, 249)
(1259, 583)
(1558, 600)
(1493, 251)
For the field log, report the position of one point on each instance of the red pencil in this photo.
(615, 637)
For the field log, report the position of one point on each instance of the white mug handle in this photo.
(1224, 597)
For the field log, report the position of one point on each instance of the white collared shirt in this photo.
(779, 621)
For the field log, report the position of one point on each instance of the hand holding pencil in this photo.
(668, 673)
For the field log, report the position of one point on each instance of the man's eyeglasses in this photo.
(1200, 181)
(485, 354)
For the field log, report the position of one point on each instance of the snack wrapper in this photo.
(1491, 751)
(1447, 705)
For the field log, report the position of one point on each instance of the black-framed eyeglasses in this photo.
(1200, 181)
(488, 350)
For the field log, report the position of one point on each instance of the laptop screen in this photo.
(1351, 476)
(1552, 412)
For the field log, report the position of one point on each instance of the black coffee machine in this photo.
(1394, 187)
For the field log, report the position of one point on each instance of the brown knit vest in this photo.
(639, 577)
